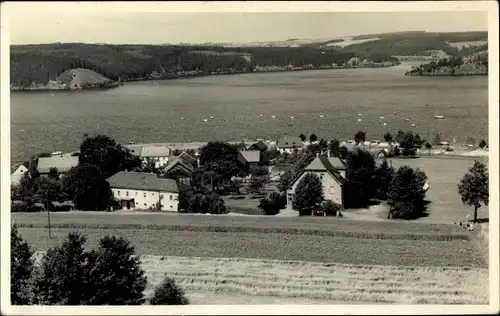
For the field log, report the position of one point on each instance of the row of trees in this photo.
(71, 275)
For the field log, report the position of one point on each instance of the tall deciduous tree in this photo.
(104, 153)
(21, 269)
(334, 147)
(302, 137)
(360, 187)
(382, 179)
(388, 137)
(87, 187)
(313, 138)
(473, 187)
(308, 194)
(406, 193)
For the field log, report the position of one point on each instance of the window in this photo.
(126, 193)
(145, 204)
(118, 192)
(144, 196)
(136, 193)
(170, 196)
(321, 176)
(170, 206)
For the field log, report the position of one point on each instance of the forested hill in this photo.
(41, 63)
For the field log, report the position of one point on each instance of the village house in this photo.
(140, 190)
(187, 158)
(289, 145)
(63, 163)
(332, 173)
(157, 154)
(18, 171)
(249, 158)
(260, 146)
(178, 169)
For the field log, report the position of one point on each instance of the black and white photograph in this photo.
(195, 157)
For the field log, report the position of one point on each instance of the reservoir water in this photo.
(243, 106)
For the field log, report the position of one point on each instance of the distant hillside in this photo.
(42, 63)
(81, 77)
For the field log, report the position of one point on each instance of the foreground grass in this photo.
(279, 246)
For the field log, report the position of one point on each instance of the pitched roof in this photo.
(155, 151)
(290, 142)
(258, 146)
(17, 165)
(142, 181)
(251, 155)
(63, 163)
(187, 158)
(325, 164)
(134, 149)
(177, 160)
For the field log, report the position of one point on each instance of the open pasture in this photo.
(444, 175)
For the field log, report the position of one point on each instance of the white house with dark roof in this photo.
(18, 171)
(63, 163)
(289, 145)
(158, 154)
(331, 171)
(140, 190)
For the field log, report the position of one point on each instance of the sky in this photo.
(35, 23)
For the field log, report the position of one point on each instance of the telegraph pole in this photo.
(48, 211)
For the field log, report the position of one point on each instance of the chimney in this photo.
(317, 155)
(328, 153)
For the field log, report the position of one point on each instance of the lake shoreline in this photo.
(191, 76)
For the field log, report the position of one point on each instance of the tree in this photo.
(388, 137)
(437, 139)
(308, 194)
(104, 153)
(302, 137)
(53, 174)
(406, 193)
(473, 187)
(323, 145)
(360, 170)
(286, 180)
(359, 137)
(257, 183)
(428, 146)
(400, 136)
(168, 293)
(220, 159)
(114, 274)
(408, 144)
(334, 147)
(62, 278)
(87, 187)
(50, 190)
(382, 178)
(21, 269)
(313, 138)
(482, 144)
(259, 171)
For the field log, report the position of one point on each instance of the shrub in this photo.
(114, 275)
(483, 144)
(331, 208)
(259, 171)
(21, 269)
(26, 207)
(257, 183)
(204, 204)
(168, 293)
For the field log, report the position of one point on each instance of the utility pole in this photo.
(48, 211)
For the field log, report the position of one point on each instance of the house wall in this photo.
(146, 199)
(332, 190)
(288, 150)
(159, 161)
(17, 175)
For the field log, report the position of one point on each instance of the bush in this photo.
(204, 204)
(21, 269)
(330, 208)
(273, 203)
(483, 144)
(25, 207)
(168, 293)
(259, 171)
